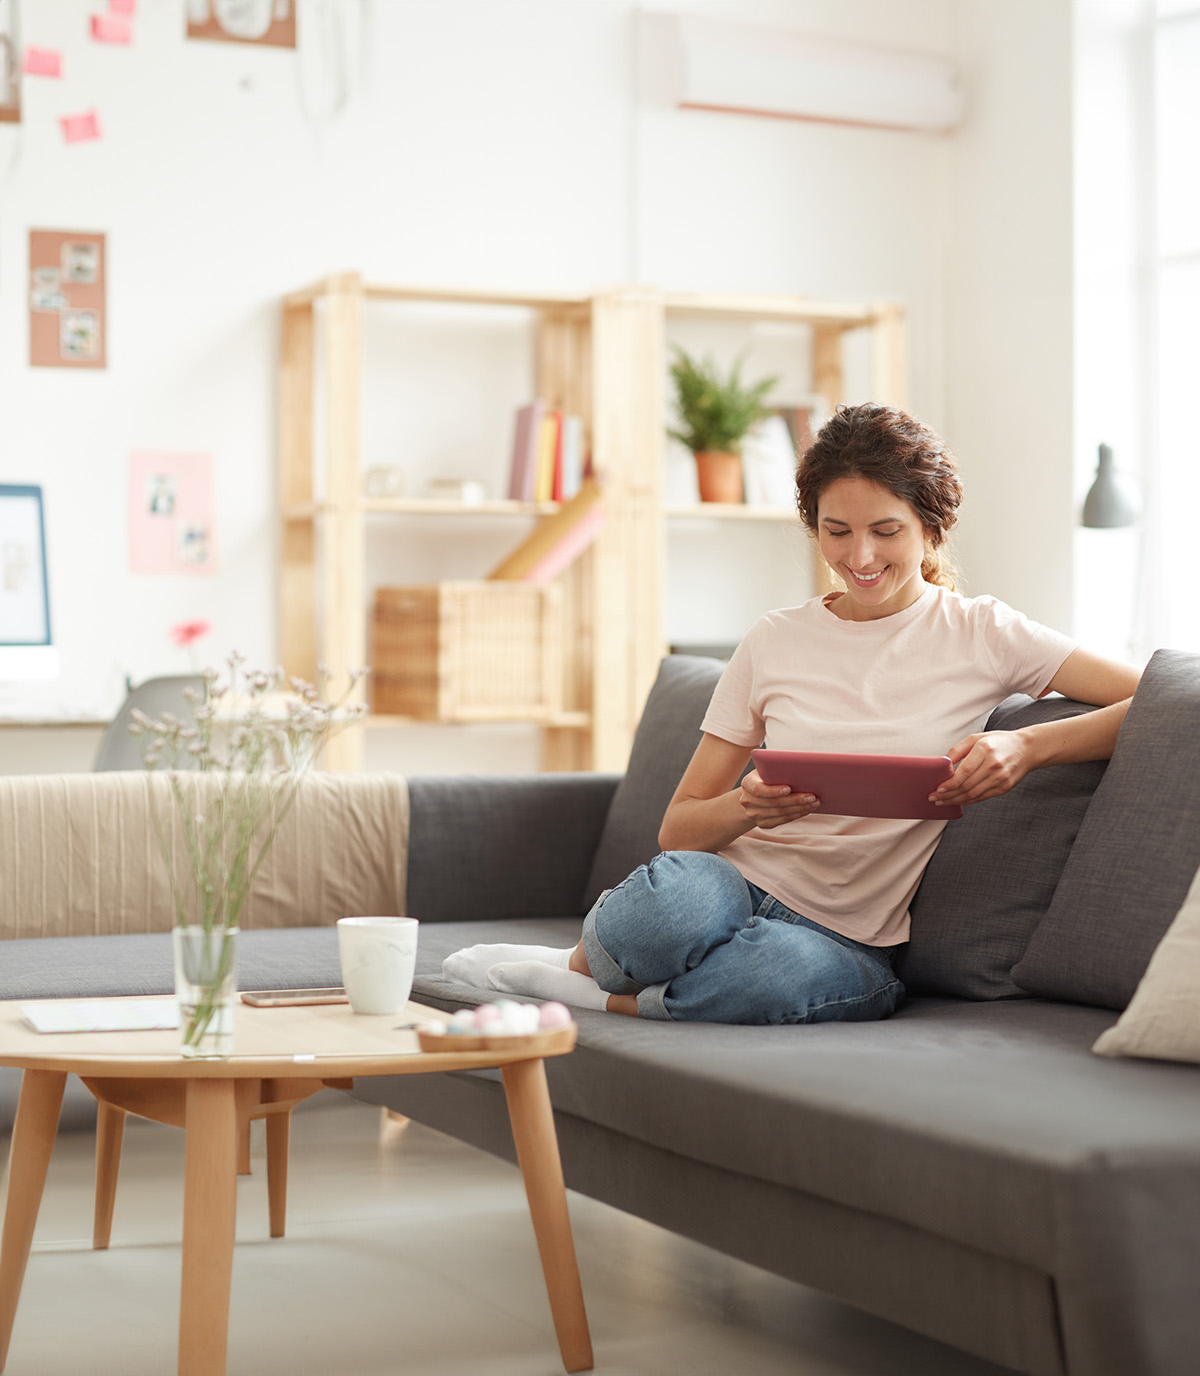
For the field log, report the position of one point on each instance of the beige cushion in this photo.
(79, 854)
(1163, 1017)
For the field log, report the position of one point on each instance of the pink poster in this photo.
(171, 527)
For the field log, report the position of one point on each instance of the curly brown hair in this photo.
(887, 446)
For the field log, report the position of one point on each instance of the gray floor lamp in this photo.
(1109, 503)
(1112, 504)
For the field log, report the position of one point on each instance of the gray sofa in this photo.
(968, 1167)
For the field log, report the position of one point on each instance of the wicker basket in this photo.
(468, 652)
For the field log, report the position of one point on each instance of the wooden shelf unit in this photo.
(601, 356)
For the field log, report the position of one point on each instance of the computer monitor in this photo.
(27, 651)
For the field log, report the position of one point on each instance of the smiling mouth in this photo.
(866, 580)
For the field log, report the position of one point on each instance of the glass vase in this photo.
(206, 989)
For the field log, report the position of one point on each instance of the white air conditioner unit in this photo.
(711, 64)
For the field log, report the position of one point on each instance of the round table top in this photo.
(308, 1041)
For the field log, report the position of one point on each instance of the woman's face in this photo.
(875, 542)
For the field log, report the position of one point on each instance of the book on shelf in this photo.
(548, 457)
(572, 456)
(557, 540)
(547, 453)
(774, 447)
(527, 433)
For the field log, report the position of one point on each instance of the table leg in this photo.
(209, 1213)
(110, 1131)
(279, 1128)
(29, 1157)
(537, 1153)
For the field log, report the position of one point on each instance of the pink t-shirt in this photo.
(914, 683)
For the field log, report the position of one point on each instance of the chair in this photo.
(154, 696)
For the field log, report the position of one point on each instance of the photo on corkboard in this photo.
(10, 65)
(269, 23)
(172, 527)
(66, 299)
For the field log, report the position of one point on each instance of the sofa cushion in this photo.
(1136, 853)
(79, 855)
(503, 846)
(994, 872)
(1163, 1017)
(139, 963)
(988, 1123)
(666, 738)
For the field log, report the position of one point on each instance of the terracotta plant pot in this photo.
(719, 475)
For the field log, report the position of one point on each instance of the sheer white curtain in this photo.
(1171, 593)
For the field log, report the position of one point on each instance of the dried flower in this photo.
(256, 732)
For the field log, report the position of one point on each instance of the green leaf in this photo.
(715, 412)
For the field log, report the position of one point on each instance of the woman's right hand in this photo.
(773, 805)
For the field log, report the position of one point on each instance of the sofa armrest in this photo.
(503, 846)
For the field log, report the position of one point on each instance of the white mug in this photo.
(379, 956)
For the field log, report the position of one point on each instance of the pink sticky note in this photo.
(42, 62)
(122, 7)
(112, 28)
(77, 128)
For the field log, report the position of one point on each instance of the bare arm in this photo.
(709, 809)
(991, 762)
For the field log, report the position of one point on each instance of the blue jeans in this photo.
(696, 942)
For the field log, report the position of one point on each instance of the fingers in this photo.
(988, 765)
(773, 805)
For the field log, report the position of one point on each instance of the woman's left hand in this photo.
(987, 764)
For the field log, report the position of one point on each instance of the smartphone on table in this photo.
(289, 998)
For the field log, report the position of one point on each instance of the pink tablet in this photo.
(861, 785)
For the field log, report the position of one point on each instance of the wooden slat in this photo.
(297, 573)
(628, 345)
(427, 506)
(476, 297)
(889, 365)
(795, 308)
(729, 511)
(564, 383)
(342, 638)
(829, 382)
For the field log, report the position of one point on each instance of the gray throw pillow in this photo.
(1137, 850)
(665, 741)
(994, 872)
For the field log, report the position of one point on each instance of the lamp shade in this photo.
(1108, 503)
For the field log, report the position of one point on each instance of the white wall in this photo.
(502, 143)
(1008, 374)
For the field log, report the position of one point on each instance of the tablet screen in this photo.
(862, 785)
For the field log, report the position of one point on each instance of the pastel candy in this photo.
(554, 1015)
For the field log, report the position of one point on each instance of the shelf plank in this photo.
(795, 308)
(477, 297)
(420, 506)
(428, 506)
(731, 511)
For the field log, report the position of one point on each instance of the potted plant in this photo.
(715, 414)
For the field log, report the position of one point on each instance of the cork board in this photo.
(270, 23)
(67, 326)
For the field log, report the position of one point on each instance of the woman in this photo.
(760, 909)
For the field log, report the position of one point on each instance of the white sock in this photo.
(472, 963)
(541, 981)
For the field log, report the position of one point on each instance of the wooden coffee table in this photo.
(282, 1056)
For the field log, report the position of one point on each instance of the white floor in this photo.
(410, 1253)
